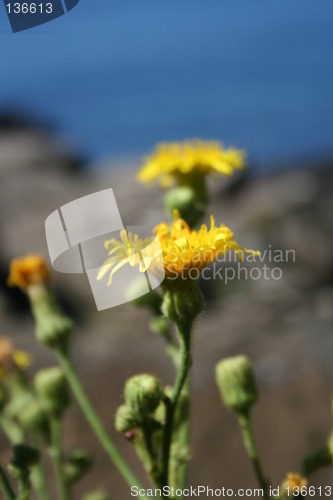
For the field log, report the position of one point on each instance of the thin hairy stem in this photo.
(171, 403)
(250, 446)
(95, 422)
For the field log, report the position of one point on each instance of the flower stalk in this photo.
(94, 421)
(55, 452)
(149, 445)
(236, 382)
(171, 403)
(5, 486)
(250, 446)
(38, 473)
(183, 438)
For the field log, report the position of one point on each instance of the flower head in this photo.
(10, 358)
(293, 485)
(181, 248)
(295, 479)
(27, 271)
(184, 249)
(31, 274)
(171, 161)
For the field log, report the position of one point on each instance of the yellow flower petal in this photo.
(169, 160)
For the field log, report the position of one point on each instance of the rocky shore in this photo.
(284, 325)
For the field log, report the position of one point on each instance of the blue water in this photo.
(117, 76)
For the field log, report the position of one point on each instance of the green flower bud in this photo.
(53, 328)
(182, 300)
(29, 413)
(143, 394)
(78, 464)
(23, 406)
(24, 458)
(125, 419)
(52, 390)
(186, 199)
(96, 495)
(236, 382)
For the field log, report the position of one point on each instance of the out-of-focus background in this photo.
(81, 100)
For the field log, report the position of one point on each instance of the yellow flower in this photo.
(28, 270)
(294, 482)
(126, 251)
(182, 249)
(11, 358)
(171, 161)
(185, 249)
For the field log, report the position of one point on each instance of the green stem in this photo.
(56, 454)
(183, 434)
(95, 422)
(171, 347)
(171, 404)
(148, 443)
(5, 486)
(24, 489)
(38, 474)
(184, 439)
(250, 446)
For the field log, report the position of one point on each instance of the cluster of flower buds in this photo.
(142, 394)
